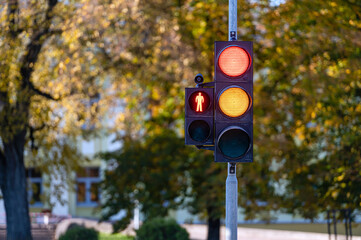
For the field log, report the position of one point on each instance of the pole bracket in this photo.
(233, 36)
(207, 84)
(205, 147)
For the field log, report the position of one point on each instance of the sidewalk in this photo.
(38, 232)
(199, 232)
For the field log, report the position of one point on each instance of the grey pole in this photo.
(231, 182)
(231, 203)
(232, 20)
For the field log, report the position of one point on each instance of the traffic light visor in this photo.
(199, 101)
(234, 61)
(233, 142)
(234, 101)
(199, 130)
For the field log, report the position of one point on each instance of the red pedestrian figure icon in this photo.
(199, 101)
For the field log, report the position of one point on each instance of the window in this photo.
(35, 188)
(87, 187)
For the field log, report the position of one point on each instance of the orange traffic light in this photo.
(234, 101)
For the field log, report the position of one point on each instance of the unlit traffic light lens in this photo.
(234, 61)
(199, 130)
(234, 102)
(199, 101)
(233, 143)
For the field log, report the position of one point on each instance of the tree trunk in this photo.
(16, 120)
(14, 189)
(213, 229)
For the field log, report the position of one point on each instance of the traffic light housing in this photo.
(199, 116)
(233, 101)
(221, 118)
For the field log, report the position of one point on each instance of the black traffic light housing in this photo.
(199, 116)
(220, 117)
(233, 126)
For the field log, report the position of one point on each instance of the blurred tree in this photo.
(151, 172)
(301, 49)
(63, 63)
(166, 46)
(207, 196)
(17, 89)
(308, 106)
(49, 96)
(202, 23)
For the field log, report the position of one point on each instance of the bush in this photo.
(161, 229)
(80, 233)
(117, 236)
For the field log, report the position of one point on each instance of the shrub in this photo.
(161, 229)
(80, 233)
(118, 236)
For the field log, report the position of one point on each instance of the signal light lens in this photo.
(199, 101)
(199, 130)
(234, 102)
(234, 142)
(234, 61)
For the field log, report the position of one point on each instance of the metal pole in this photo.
(231, 203)
(334, 224)
(350, 223)
(232, 20)
(136, 215)
(231, 182)
(346, 222)
(328, 225)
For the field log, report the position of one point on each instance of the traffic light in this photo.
(233, 106)
(199, 116)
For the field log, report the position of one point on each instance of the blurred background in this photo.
(92, 114)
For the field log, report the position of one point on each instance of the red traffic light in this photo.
(199, 101)
(234, 61)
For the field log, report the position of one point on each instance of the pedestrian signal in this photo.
(199, 130)
(199, 101)
(199, 111)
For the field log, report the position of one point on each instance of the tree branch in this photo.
(41, 93)
(355, 4)
(13, 10)
(33, 129)
(32, 138)
(33, 50)
(31, 134)
(3, 100)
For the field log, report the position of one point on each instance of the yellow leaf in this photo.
(313, 115)
(340, 178)
(334, 194)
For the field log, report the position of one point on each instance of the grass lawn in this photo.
(118, 236)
